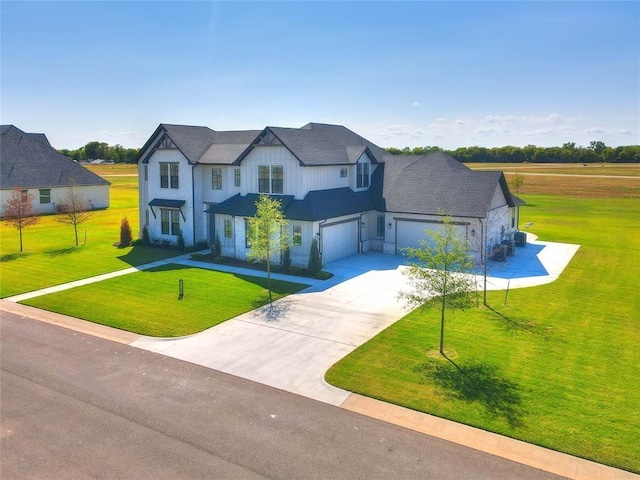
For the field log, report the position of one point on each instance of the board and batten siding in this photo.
(271, 155)
(183, 192)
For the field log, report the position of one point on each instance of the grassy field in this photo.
(147, 302)
(557, 366)
(626, 169)
(600, 180)
(49, 256)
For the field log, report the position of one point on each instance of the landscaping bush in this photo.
(180, 241)
(315, 264)
(145, 236)
(286, 259)
(125, 233)
(217, 247)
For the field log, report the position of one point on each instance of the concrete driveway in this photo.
(293, 346)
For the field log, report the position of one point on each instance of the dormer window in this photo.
(362, 175)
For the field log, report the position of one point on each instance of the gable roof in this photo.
(200, 144)
(321, 144)
(312, 144)
(436, 183)
(28, 161)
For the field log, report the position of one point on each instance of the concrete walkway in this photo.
(292, 346)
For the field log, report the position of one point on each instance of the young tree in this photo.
(517, 182)
(73, 210)
(267, 233)
(440, 275)
(19, 211)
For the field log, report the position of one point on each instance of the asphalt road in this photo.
(76, 406)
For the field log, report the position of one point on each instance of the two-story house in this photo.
(333, 184)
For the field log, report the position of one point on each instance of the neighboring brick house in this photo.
(334, 185)
(29, 162)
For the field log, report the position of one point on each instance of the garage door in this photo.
(410, 233)
(339, 240)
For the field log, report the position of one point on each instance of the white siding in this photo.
(272, 155)
(184, 192)
(323, 178)
(97, 196)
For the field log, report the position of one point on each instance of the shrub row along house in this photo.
(30, 163)
(334, 185)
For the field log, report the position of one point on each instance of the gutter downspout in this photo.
(320, 237)
(360, 232)
(193, 202)
(235, 240)
(483, 253)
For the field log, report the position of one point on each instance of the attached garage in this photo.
(409, 233)
(339, 240)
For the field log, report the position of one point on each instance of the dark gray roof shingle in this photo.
(437, 183)
(28, 161)
(317, 205)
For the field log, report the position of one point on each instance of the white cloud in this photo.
(552, 118)
(487, 130)
(608, 131)
(415, 104)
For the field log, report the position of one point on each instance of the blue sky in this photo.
(399, 73)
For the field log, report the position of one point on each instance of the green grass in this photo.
(147, 302)
(568, 382)
(49, 256)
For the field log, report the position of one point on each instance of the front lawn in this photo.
(50, 257)
(557, 366)
(147, 302)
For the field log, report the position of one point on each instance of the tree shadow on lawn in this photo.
(478, 382)
(513, 324)
(62, 251)
(10, 257)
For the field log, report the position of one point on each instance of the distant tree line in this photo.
(101, 150)
(597, 151)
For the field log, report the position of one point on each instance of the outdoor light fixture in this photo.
(389, 225)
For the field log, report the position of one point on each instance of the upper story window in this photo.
(271, 179)
(146, 172)
(362, 175)
(24, 195)
(216, 179)
(169, 175)
(45, 195)
(236, 177)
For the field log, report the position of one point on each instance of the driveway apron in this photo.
(292, 345)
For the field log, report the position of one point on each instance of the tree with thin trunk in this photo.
(518, 182)
(440, 274)
(267, 233)
(74, 209)
(19, 211)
